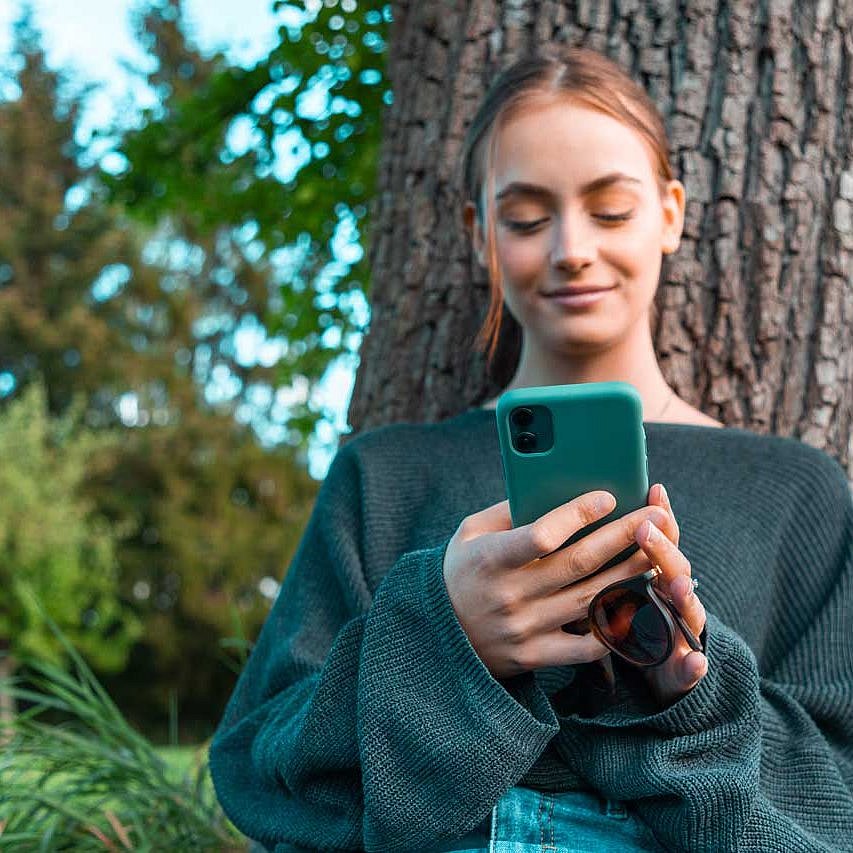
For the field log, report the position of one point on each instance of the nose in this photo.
(574, 244)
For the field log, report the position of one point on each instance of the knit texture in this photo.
(364, 719)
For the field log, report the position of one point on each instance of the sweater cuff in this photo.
(732, 675)
(516, 707)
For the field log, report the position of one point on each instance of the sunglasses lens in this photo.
(631, 624)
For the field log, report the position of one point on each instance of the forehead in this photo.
(563, 144)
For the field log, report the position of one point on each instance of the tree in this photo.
(755, 318)
(139, 323)
(216, 519)
(286, 150)
(53, 543)
(53, 252)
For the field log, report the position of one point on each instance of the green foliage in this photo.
(136, 322)
(50, 326)
(216, 514)
(317, 100)
(91, 782)
(52, 542)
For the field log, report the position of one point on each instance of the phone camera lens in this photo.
(522, 417)
(526, 441)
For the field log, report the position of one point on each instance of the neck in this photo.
(631, 360)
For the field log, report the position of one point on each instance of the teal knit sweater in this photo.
(364, 719)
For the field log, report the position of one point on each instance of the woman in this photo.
(412, 689)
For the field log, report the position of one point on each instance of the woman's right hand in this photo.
(512, 591)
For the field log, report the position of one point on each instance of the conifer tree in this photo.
(139, 321)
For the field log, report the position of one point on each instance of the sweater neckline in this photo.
(478, 411)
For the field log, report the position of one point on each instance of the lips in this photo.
(577, 291)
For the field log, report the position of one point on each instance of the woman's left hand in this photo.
(684, 668)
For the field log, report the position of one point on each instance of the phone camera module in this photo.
(522, 417)
(526, 442)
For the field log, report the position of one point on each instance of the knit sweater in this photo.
(364, 719)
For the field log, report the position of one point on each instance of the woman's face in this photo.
(578, 206)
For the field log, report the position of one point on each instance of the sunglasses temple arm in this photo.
(691, 638)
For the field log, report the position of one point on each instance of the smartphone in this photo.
(559, 441)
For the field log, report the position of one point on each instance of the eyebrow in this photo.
(522, 188)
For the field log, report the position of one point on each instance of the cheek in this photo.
(637, 254)
(521, 259)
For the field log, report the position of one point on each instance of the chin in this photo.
(584, 341)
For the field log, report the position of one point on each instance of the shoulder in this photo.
(409, 457)
(763, 459)
(433, 443)
(683, 413)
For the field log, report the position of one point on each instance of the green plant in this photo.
(87, 781)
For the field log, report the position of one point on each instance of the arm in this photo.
(755, 757)
(368, 722)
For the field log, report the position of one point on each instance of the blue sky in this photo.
(92, 35)
(93, 39)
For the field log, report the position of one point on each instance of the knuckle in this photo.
(576, 564)
(504, 601)
(486, 558)
(630, 528)
(516, 630)
(479, 557)
(584, 599)
(523, 658)
(466, 528)
(542, 537)
(656, 515)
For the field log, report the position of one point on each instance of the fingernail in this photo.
(605, 503)
(663, 494)
(651, 533)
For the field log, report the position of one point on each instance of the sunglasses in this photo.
(637, 622)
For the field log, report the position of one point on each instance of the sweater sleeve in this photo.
(368, 721)
(754, 758)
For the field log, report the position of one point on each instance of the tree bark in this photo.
(755, 310)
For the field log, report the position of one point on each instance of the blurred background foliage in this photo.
(167, 314)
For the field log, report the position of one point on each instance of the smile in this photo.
(578, 297)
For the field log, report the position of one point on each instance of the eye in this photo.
(524, 227)
(614, 217)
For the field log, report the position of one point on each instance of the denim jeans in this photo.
(528, 821)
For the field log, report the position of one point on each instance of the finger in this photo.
(588, 554)
(692, 669)
(489, 520)
(662, 552)
(658, 497)
(529, 542)
(572, 603)
(678, 675)
(557, 648)
(683, 596)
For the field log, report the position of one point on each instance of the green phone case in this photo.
(598, 443)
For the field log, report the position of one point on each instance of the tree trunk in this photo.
(755, 309)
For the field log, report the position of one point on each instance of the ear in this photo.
(673, 203)
(475, 232)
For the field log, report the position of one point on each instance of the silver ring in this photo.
(694, 582)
